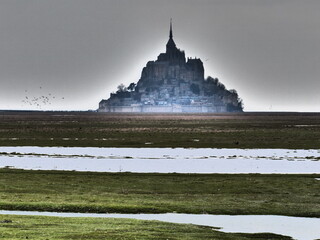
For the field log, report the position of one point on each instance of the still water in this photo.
(162, 160)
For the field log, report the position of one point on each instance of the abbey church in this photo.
(173, 84)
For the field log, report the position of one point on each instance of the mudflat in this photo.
(228, 130)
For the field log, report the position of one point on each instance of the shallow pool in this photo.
(162, 160)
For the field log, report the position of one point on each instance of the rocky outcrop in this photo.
(173, 83)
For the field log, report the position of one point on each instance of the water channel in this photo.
(162, 160)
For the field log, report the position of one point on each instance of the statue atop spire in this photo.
(171, 46)
(170, 35)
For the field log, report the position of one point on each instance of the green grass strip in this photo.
(290, 195)
(45, 228)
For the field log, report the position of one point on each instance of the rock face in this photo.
(173, 84)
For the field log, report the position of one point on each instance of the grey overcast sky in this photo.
(69, 54)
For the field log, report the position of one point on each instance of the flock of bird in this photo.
(39, 101)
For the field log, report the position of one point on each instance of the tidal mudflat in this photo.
(229, 130)
(294, 227)
(162, 160)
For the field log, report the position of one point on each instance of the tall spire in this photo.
(171, 46)
(170, 36)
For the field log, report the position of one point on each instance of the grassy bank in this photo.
(292, 195)
(34, 227)
(245, 130)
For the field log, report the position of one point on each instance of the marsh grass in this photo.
(41, 228)
(245, 130)
(291, 195)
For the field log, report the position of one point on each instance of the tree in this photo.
(131, 86)
(121, 88)
(234, 93)
(212, 80)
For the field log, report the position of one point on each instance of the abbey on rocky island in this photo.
(173, 84)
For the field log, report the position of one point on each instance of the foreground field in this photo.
(291, 195)
(34, 227)
(243, 130)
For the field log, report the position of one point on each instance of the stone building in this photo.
(173, 83)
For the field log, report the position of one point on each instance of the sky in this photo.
(70, 54)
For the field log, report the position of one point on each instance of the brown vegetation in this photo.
(244, 130)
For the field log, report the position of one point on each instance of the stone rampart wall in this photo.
(164, 109)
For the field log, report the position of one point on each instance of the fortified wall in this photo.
(166, 109)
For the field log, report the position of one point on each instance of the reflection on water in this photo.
(297, 227)
(162, 160)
